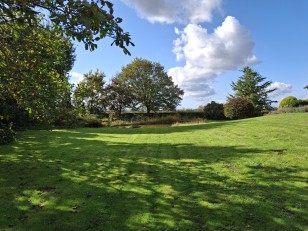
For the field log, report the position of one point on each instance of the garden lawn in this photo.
(232, 175)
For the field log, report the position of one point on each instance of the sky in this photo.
(204, 45)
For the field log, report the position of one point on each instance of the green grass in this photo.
(232, 175)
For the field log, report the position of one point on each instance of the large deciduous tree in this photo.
(150, 85)
(87, 21)
(252, 86)
(89, 95)
(34, 65)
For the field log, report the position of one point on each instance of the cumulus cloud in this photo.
(282, 88)
(75, 77)
(170, 11)
(208, 55)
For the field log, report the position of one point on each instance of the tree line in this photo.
(142, 84)
(36, 55)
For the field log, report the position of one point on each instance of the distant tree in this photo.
(118, 95)
(89, 95)
(306, 87)
(87, 21)
(251, 86)
(150, 85)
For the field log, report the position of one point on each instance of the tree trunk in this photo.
(148, 111)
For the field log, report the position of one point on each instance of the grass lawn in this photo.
(234, 175)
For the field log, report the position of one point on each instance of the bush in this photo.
(91, 121)
(67, 119)
(214, 111)
(169, 119)
(239, 108)
(289, 101)
(7, 134)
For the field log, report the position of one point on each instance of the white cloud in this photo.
(208, 55)
(75, 77)
(170, 11)
(282, 88)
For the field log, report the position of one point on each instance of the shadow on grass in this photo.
(162, 130)
(66, 181)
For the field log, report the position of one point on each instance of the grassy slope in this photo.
(234, 175)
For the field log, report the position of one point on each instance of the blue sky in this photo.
(203, 44)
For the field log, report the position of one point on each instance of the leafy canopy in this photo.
(79, 19)
(118, 95)
(34, 64)
(150, 86)
(89, 95)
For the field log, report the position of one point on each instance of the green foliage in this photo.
(85, 21)
(89, 95)
(34, 63)
(118, 95)
(11, 112)
(150, 86)
(7, 134)
(302, 102)
(251, 86)
(214, 111)
(168, 119)
(91, 121)
(239, 108)
(289, 101)
(67, 119)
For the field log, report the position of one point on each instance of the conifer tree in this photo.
(253, 86)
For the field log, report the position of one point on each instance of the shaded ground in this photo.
(233, 175)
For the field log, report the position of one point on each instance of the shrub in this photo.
(239, 108)
(169, 119)
(67, 119)
(289, 101)
(91, 121)
(214, 111)
(7, 134)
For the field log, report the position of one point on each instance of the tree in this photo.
(150, 85)
(89, 95)
(118, 95)
(34, 65)
(82, 20)
(251, 86)
(306, 87)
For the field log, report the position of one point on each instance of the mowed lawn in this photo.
(233, 175)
